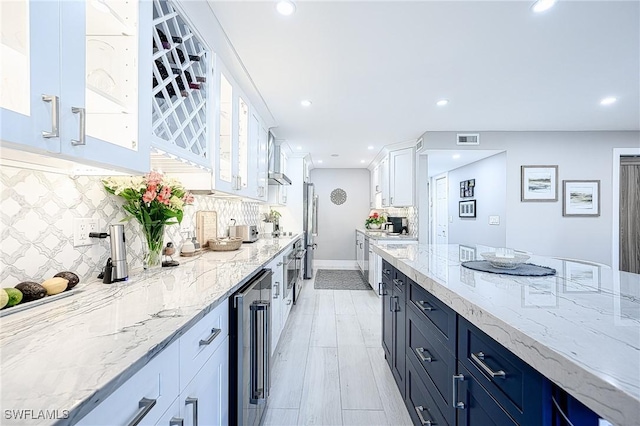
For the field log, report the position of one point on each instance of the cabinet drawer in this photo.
(201, 341)
(154, 386)
(422, 408)
(516, 386)
(433, 362)
(440, 318)
(476, 406)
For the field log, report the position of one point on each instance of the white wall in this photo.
(539, 227)
(490, 194)
(337, 223)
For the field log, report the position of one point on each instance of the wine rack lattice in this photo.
(180, 83)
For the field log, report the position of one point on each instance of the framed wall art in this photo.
(580, 198)
(467, 188)
(539, 183)
(467, 208)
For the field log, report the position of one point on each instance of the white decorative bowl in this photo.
(374, 226)
(505, 262)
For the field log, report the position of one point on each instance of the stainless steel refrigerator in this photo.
(310, 221)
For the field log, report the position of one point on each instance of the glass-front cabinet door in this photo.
(243, 145)
(30, 73)
(70, 77)
(106, 65)
(225, 137)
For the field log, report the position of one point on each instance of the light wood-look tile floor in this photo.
(329, 366)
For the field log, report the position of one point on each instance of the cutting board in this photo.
(206, 226)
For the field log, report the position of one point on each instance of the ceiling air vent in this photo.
(420, 145)
(468, 139)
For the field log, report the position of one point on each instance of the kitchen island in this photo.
(579, 330)
(61, 359)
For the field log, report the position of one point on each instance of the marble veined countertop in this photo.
(66, 354)
(378, 234)
(580, 328)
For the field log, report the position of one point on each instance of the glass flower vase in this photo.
(154, 237)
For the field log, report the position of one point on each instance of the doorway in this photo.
(441, 210)
(629, 214)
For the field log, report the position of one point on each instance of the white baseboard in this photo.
(335, 264)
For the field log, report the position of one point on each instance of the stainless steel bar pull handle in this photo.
(211, 338)
(259, 351)
(425, 306)
(275, 296)
(83, 127)
(397, 281)
(419, 411)
(55, 117)
(479, 359)
(421, 354)
(194, 402)
(144, 406)
(176, 421)
(457, 404)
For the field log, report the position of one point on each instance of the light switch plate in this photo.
(450, 219)
(494, 220)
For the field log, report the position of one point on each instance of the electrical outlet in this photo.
(494, 220)
(81, 229)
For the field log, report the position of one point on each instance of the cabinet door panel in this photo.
(401, 182)
(399, 339)
(205, 400)
(479, 407)
(30, 64)
(387, 319)
(103, 63)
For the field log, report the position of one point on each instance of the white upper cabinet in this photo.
(384, 182)
(261, 135)
(401, 177)
(73, 81)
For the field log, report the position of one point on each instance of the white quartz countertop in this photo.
(580, 328)
(68, 354)
(378, 234)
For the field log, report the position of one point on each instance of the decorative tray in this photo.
(28, 305)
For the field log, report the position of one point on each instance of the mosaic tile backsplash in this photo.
(37, 210)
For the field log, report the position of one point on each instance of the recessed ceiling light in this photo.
(320, 161)
(455, 156)
(306, 103)
(362, 161)
(542, 5)
(285, 7)
(299, 148)
(442, 102)
(608, 101)
(370, 147)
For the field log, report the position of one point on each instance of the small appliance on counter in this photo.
(116, 268)
(248, 233)
(398, 225)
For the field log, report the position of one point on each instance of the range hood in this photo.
(276, 174)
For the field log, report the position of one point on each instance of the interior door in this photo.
(441, 211)
(630, 214)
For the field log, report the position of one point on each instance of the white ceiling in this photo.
(375, 69)
(441, 160)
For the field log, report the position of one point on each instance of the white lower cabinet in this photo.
(145, 396)
(185, 384)
(277, 286)
(205, 400)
